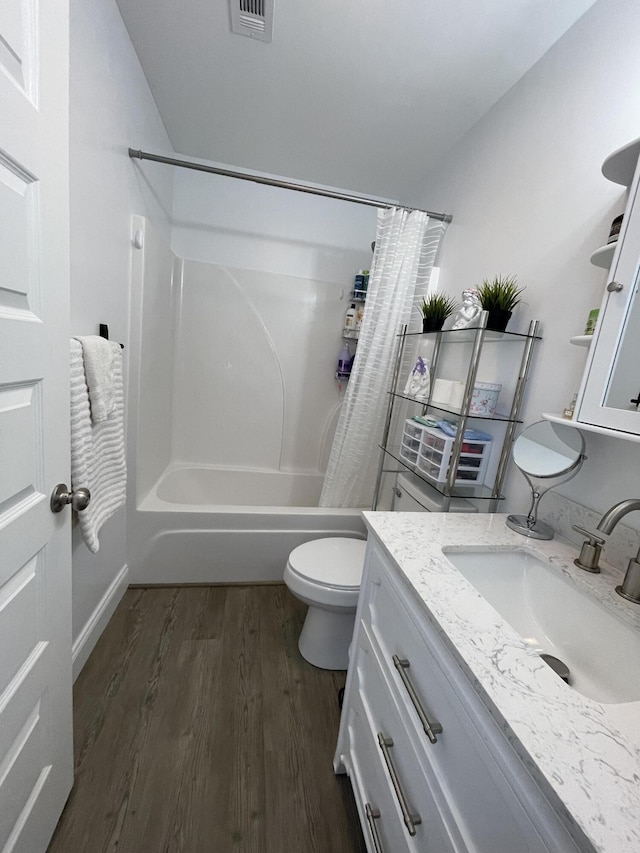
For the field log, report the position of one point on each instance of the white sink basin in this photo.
(553, 616)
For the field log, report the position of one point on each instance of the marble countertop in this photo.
(585, 753)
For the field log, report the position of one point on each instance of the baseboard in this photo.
(203, 584)
(84, 644)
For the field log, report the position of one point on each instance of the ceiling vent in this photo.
(253, 18)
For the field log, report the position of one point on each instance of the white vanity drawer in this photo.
(378, 812)
(488, 812)
(426, 821)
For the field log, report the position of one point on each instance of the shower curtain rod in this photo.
(272, 182)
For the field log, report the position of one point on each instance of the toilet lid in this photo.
(337, 561)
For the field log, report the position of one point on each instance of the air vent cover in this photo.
(253, 18)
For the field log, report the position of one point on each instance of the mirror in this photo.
(545, 451)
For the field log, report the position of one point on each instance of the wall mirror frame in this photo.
(611, 381)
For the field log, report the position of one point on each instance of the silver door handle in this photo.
(372, 816)
(615, 287)
(61, 496)
(410, 820)
(431, 729)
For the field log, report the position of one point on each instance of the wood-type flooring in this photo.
(198, 728)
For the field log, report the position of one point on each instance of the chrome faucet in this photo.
(588, 559)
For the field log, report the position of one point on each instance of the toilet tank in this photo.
(412, 494)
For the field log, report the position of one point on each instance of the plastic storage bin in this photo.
(411, 439)
(435, 452)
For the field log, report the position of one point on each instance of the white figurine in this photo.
(470, 311)
(419, 381)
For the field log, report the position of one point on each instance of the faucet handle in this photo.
(590, 551)
(592, 537)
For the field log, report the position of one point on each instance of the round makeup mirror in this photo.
(545, 451)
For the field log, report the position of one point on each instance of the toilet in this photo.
(325, 574)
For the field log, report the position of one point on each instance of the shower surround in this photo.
(233, 407)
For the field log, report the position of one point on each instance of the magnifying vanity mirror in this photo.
(545, 452)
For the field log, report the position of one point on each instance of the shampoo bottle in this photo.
(350, 317)
(344, 361)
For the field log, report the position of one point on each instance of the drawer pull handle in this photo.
(431, 728)
(372, 816)
(410, 820)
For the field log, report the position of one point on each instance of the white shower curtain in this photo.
(406, 247)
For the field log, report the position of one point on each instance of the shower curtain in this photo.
(406, 247)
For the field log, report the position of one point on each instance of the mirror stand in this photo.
(528, 525)
(548, 455)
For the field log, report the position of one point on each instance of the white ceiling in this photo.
(361, 94)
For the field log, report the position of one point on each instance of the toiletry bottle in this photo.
(568, 412)
(344, 361)
(358, 284)
(365, 280)
(350, 317)
(359, 316)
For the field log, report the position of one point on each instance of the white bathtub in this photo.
(231, 488)
(212, 525)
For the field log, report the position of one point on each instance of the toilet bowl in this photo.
(325, 574)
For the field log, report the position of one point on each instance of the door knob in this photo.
(61, 496)
(615, 287)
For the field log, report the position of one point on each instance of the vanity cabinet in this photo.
(431, 769)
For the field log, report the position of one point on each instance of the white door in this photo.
(36, 769)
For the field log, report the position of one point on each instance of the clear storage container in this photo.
(434, 453)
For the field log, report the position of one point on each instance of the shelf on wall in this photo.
(581, 340)
(620, 166)
(612, 433)
(603, 256)
(351, 334)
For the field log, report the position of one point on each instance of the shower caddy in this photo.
(358, 295)
(405, 453)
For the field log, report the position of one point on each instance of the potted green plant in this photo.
(499, 296)
(435, 310)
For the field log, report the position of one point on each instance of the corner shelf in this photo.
(581, 340)
(612, 433)
(351, 334)
(620, 166)
(603, 256)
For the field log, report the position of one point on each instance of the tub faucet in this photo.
(630, 586)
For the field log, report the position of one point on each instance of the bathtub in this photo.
(213, 525)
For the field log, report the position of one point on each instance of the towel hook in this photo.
(104, 332)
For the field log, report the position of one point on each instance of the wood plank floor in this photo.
(199, 728)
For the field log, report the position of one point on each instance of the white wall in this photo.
(155, 275)
(528, 197)
(240, 224)
(259, 314)
(111, 108)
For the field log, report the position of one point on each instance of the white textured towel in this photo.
(97, 449)
(98, 354)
